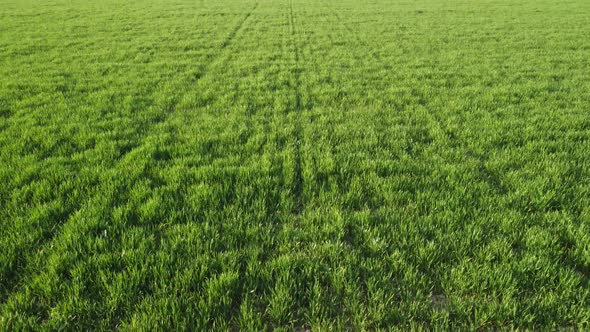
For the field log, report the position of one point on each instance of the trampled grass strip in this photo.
(297, 108)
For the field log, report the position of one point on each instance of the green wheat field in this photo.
(294, 165)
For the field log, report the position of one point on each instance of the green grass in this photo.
(294, 164)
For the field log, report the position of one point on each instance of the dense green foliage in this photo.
(294, 164)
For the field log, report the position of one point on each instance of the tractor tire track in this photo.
(298, 180)
(11, 283)
(232, 35)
